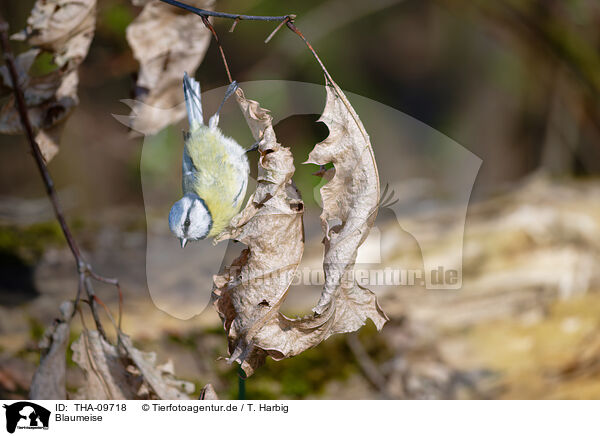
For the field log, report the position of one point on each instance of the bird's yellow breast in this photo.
(220, 174)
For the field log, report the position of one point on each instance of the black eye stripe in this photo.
(186, 223)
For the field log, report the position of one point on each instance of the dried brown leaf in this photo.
(249, 293)
(113, 373)
(23, 63)
(208, 393)
(63, 27)
(49, 378)
(165, 41)
(159, 378)
(350, 198)
(48, 140)
(50, 100)
(106, 376)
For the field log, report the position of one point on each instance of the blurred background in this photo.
(514, 82)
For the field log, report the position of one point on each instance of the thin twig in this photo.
(288, 20)
(28, 129)
(233, 26)
(294, 29)
(92, 302)
(84, 269)
(214, 33)
(207, 13)
(279, 26)
(105, 307)
(367, 365)
(241, 383)
(116, 284)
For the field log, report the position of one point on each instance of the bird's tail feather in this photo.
(193, 103)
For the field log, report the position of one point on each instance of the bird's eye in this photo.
(187, 222)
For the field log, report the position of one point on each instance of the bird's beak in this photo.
(183, 242)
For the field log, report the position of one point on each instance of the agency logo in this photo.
(26, 415)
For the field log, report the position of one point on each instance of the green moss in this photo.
(308, 373)
(115, 17)
(36, 330)
(29, 243)
(73, 336)
(43, 64)
(185, 341)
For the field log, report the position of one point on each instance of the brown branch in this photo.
(294, 29)
(89, 289)
(288, 20)
(204, 14)
(214, 33)
(367, 365)
(84, 269)
(276, 30)
(238, 17)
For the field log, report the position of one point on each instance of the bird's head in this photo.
(190, 219)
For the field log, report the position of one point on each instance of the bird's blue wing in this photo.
(188, 172)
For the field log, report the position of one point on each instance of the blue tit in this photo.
(214, 173)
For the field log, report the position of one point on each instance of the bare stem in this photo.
(84, 269)
(207, 13)
(288, 20)
(37, 154)
(294, 29)
(89, 289)
(214, 33)
(368, 367)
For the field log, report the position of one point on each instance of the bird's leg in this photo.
(233, 86)
(214, 120)
(253, 147)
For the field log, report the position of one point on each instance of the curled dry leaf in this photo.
(113, 373)
(106, 374)
(249, 293)
(165, 41)
(160, 379)
(65, 29)
(23, 63)
(351, 196)
(50, 100)
(49, 379)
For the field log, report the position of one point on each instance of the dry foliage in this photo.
(249, 293)
(124, 372)
(166, 41)
(208, 393)
(49, 380)
(63, 28)
(120, 372)
(106, 378)
(350, 198)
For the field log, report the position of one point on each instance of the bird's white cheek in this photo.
(200, 222)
